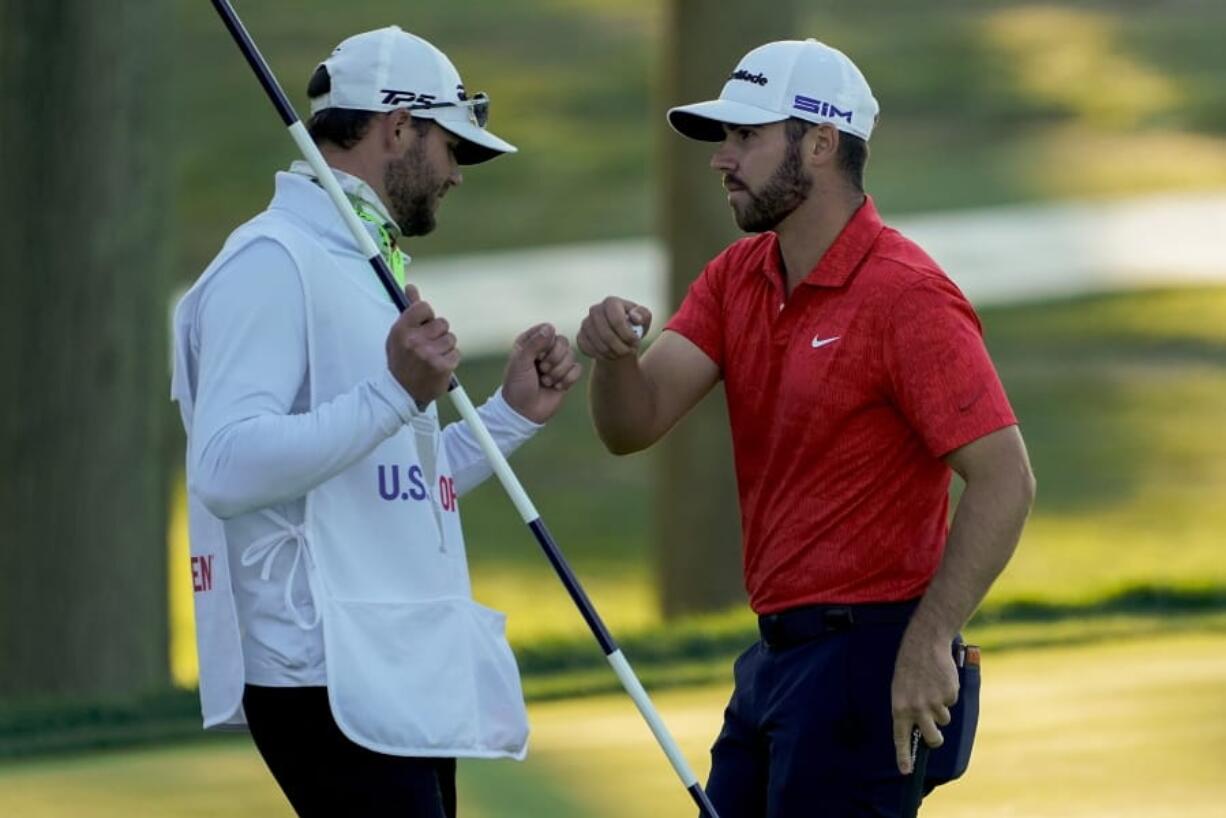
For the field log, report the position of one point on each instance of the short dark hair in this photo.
(853, 151)
(342, 127)
(339, 126)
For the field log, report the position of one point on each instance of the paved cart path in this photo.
(997, 255)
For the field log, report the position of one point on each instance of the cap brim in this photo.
(705, 121)
(477, 145)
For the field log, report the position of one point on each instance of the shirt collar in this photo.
(356, 189)
(842, 258)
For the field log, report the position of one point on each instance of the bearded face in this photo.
(414, 187)
(786, 190)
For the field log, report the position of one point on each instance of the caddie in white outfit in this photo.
(333, 607)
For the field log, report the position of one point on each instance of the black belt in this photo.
(797, 625)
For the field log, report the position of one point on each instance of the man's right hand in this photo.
(608, 331)
(635, 400)
(421, 351)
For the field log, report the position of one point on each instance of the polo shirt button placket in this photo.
(782, 331)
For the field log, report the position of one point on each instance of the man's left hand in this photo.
(925, 687)
(541, 370)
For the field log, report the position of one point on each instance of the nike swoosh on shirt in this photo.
(818, 343)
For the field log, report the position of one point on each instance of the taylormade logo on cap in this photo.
(805, 79)
(757, 79)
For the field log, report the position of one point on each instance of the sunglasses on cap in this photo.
(478, 106)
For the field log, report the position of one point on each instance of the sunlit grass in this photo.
(217, 778)
(1120, 399)
(541, 609)
(1123, 729)
(1073, 60)
(1073, 162)
(1118, 730)
(1159, 317)
(1053, 162)
(1140, 499)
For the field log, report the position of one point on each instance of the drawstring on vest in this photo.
(266, 549)
(424, 435)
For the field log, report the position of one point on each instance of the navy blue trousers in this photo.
(808, 732)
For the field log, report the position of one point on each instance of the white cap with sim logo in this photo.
(789, 78)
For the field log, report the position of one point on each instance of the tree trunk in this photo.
(83, 347)
(698, 530)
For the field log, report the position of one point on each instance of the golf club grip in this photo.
(398, 297)
(914, 792)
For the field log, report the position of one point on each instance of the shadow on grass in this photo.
(727, 634)
(1148, 600)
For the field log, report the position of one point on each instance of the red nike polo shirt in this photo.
(843, 398)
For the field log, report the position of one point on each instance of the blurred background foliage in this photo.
(1121, 395)
(982, 103)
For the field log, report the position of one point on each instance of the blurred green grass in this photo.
(983, 103)
(1127, 728)
(1121, 401)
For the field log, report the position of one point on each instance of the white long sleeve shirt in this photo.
(256, 445)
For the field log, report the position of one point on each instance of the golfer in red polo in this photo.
(857, 381)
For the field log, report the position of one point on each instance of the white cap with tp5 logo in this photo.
(389, 68)
(789, 78)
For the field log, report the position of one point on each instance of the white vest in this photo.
(415, 667)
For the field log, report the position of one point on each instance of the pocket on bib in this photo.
(500, 698)
(423, 678)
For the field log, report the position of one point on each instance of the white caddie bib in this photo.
(415, 667)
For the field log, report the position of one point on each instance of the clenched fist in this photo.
(540, 371)
(421, 351)
(608, 332)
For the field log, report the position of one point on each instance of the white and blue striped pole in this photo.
(468, 412)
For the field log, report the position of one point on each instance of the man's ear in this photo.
(398, 133)
(825, 143)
